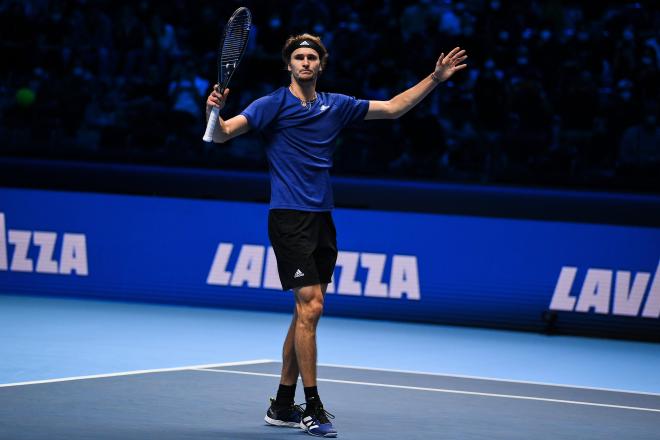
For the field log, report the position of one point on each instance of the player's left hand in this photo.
(450, 64)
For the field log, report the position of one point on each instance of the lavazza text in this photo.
(249, 269)
(626, 299)
(71, 258)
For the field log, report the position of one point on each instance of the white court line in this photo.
(442, 390)
(129, 373)
(387, 370)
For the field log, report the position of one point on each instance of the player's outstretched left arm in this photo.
(396, 107)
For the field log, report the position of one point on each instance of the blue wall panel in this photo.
(404, 266)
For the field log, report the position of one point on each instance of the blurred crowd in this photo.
(556, 93)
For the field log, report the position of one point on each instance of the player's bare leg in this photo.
(282, 411)
(290, 369)
(309, 307)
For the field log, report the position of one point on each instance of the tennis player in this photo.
(300, 126)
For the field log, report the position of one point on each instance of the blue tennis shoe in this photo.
(283, 415)
(315, 421)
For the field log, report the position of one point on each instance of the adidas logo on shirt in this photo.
(298, 274)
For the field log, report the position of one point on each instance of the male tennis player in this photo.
(300, 126)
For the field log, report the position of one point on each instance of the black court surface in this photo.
(229, 401)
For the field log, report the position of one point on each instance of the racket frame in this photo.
(225, 73)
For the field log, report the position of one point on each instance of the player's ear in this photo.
(288, 67)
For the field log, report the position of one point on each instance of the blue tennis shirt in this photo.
(300, 143)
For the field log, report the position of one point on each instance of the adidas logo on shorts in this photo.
(298, 274)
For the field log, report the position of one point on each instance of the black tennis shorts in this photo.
(305, 245)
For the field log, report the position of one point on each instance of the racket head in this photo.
(232, 45)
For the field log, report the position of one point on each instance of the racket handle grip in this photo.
(211, 124)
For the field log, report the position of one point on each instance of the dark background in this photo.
(556, 94)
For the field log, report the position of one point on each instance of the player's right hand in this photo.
(215, 99)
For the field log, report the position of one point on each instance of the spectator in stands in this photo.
(555, 79)
(639, 149)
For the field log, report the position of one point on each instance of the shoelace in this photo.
(320, 413)
(299, 408)
(292, 407)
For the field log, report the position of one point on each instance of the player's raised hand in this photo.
(215, 99)
(449, 64)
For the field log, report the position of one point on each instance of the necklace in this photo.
(306, 104)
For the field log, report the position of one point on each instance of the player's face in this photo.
(304, 64)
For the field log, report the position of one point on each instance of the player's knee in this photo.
(309, 311)
(309, 303)
(315, 309)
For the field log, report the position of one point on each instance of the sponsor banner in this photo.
(507, 273)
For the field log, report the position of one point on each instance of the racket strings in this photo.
(236, 39)
(233, 46)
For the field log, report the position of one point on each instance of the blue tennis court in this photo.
(97, 369)
(227, 401)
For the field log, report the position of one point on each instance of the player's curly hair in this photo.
(296, 39)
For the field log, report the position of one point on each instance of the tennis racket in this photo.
(232, 47)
